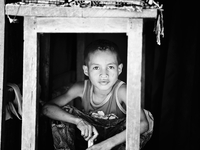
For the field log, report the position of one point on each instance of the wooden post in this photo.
(30, 77)
(134, 63)
(2, 41)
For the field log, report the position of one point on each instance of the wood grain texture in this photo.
(81, 25)
(53, 11)
(2, 43)
(30, 77)
(134, 63)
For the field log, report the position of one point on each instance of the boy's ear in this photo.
(85, 70)
(120, 66)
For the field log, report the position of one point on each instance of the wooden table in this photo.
(51, 19)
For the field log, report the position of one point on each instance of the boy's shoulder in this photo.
(122, 88)
(76, 89)
(78, 85)
(122, 85)
(122, 92)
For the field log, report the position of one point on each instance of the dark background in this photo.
(171, 75)
(173, 85)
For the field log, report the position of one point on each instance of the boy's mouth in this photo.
(103, 82)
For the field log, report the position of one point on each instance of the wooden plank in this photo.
(48, 1)
(132, 1)
(52, 11)
(30, 78)
(81, 25)
(2, 41)
(134, 83)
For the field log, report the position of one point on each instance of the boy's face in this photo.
(103, 69)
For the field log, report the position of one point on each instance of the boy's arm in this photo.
(144, 125)
(143, 120)
(53, 110)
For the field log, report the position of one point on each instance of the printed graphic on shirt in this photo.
(101, 115)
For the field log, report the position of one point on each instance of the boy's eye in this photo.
(96, 68)
(111, 67)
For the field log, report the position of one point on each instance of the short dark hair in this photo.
(101, 45)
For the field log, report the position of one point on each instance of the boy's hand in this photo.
(111, 142)
(88, 131)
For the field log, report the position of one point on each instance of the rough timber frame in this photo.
(2, 41)
(39, 19)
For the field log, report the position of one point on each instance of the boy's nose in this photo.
(103, 74)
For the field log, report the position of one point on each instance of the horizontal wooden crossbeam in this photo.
(47, 11)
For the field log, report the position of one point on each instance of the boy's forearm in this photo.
(117, 139)
(121, 137)
(56, 113)
(144, 126)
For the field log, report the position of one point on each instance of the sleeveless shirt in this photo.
(110, 105)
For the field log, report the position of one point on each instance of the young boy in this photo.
(103, 95)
